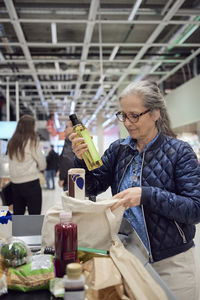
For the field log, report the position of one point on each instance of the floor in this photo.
(51, 197)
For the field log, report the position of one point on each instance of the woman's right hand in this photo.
(78, 145)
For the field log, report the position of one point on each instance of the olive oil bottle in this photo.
(91, 157)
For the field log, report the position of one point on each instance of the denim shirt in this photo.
(132, 179)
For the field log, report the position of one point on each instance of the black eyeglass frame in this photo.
(135, 116)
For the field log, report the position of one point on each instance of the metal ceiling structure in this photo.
(76, 56)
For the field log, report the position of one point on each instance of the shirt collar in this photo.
(132, 142)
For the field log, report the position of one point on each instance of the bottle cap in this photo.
(65, 216)
(73, 270)
(74, 119)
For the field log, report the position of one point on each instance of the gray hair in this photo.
(153, 100)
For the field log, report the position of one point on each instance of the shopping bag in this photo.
(98, 228)
(137, 281)
(103, 279)
(94, 230)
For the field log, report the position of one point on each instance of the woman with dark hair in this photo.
(26, 160)
(157, 179)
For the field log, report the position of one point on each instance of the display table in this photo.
(36, 295)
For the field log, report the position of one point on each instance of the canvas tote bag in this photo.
(94, 229)
(98, 228)
(138, 282)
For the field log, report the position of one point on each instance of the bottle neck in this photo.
(65, 221)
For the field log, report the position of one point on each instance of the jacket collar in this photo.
(156, 144)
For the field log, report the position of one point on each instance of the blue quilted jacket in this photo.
(170, 181)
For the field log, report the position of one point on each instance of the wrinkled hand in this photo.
(78, 145)
(128, 198)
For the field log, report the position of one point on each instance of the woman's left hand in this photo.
(128, 198)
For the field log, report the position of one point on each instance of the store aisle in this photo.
(51, 197)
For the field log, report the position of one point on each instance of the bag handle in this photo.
(112, 221)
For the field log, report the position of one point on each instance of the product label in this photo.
(75, 295)
(76, 185)
(69, 256)
(91, 147)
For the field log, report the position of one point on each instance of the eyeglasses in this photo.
(133, 118)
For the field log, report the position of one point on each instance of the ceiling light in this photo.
(54, 33)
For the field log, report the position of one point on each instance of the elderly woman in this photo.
(157, 179)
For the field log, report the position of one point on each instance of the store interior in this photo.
(63, 57)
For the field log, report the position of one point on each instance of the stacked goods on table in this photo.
(22, 271)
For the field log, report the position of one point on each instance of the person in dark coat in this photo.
(52, 167)
(157, 180)
(66, 159)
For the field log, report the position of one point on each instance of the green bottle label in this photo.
(91, 147)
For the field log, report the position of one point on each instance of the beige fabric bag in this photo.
(98, 228)
(94, 229)
(138, 282)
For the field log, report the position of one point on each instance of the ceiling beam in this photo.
(21, 38)
(171, 12)
(179, 66)
(60, 45)
(88, 61)
(125, 22)
(86, 44)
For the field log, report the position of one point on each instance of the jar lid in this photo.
(73, 270)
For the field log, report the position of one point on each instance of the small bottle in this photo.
(91, 157)
(66, 244)
(74, 282)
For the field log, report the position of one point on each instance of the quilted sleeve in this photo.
(98, 180)
(183, 205)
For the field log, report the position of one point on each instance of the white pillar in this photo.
(7, 100)
(17, 99)
(99, 131)
(123, 133)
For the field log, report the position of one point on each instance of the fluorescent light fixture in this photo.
(134, 10)
(114, 52)
(57, 67)
(54, 33)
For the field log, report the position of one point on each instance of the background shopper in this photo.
(52, 167)
(25, 162)
(66, 160)
(157, 179)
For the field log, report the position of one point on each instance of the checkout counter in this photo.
(28, 228)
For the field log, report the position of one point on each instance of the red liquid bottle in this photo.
(66, 244)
